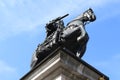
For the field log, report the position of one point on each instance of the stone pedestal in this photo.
(62, 65)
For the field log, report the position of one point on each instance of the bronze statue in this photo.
(72, 37)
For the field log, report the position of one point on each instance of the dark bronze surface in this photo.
(73, 37)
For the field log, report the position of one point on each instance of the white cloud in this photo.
(5, 68)
(106, 62)
(20, 15)
(109, 66)
(7, 72)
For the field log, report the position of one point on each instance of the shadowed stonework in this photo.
(63, 65)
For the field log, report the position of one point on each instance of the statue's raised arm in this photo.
(73, 37)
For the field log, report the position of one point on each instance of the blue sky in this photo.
(22, 29)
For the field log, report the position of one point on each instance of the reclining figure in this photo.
(72, 37)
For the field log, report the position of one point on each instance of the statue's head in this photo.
(60, 22)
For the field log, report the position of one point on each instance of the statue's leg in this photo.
(83, 44)
(81, 51)
(55, 38)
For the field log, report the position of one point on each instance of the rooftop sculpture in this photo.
(72, 37)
